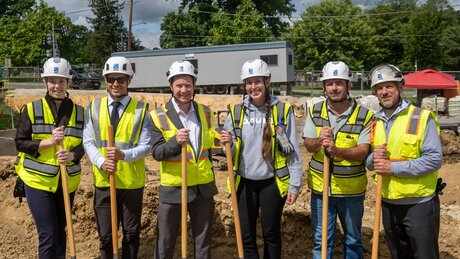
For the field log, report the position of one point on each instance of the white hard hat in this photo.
(386, 73)
(181, 68)
(118, 65)
(335, 70)
(254, 67)
(56, 66)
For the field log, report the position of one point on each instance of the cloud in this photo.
(147, 16)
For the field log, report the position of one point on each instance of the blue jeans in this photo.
(350, 212)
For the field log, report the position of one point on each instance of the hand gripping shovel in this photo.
(236, 214)
(378, 206)
(68, 211)
(113, 201)
(326, 164)
(184, 202)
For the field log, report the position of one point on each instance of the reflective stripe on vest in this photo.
(279, 160)
(41, 128)
(404, 146)
(131, 174)
(199, 169)
(346, 177)
(138, 117)
(41, 172)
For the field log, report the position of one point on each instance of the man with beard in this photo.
(339, 128)
(407, 153)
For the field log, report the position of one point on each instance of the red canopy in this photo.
(430, 79)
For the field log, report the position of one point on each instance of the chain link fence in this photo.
(33, 74)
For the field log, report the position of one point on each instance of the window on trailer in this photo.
(194, 62)
(271, 60)
(133, 65)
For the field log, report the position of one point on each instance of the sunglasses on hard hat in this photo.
(120, 80)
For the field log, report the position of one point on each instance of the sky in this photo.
(148, 14)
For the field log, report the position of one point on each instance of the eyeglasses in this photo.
(120, 80)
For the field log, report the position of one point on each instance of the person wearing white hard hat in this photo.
(266, 159)
(184, 121)
(338, 128)
(132, 125)
(42, 125)
(407, 153)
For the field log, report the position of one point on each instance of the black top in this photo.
(23, 139)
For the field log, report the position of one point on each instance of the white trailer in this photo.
(219, 67)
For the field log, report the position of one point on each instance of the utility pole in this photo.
(130, 23)
(54, 42)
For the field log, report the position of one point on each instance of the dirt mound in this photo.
(18, 237)
(450, 146)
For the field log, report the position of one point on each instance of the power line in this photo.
(316, 16)
(181, 37)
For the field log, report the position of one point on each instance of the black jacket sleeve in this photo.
(23, 138)
(162, 149)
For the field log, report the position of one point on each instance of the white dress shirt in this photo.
(190, 121)
(144, 144)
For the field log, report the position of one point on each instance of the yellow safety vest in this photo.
(129, 175)
(42, 173)
(199, 167)
(346, 177)
(404, 145)
(280, 112)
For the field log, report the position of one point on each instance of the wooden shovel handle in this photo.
(184, 202)
(67, 207)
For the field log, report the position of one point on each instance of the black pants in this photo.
(48, 211)
(412, 231)
(263, 195)
(129, 205)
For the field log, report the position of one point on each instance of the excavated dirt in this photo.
(18, 238)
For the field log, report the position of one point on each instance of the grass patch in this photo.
(5, 117)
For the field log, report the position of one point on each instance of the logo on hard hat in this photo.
(335, 72)
(250, 71)
(116, 67)
(181, 69)
(56, 70)
(379, 77)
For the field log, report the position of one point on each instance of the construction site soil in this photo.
(18, 236)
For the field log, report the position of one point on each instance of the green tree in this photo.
(450, 39)
(107, 27)
(15, 8)
(388, 19)
(187, 28)
(74, 44)
(423, 35)
(247, 25)
(22, 41)
(332, 30)
(191, 25)
(272, 10)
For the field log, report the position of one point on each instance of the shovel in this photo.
(184, 202)
(236, 214)
(68, 212)
(326, 163)
(113, 201)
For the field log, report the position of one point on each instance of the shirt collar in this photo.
(403, 104)
(178, 110)
(124, 101)
(346, 112)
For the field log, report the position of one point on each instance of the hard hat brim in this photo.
(43, 75)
